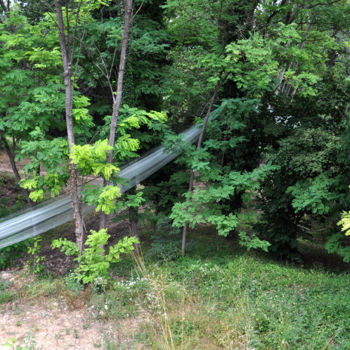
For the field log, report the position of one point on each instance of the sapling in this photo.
(94, 262)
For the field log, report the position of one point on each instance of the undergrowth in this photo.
(217, 297)
(232, 300)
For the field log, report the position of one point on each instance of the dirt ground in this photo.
(53, 324)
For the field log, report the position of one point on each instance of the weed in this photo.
(242, 302)
(10, 254)
(34, 250)
(28, 343)
(4, 285)
(6, 296)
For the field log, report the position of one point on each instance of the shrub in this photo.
(94, 262)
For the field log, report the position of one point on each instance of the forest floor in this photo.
(217, 297)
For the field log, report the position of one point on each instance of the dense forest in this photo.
(87, 86)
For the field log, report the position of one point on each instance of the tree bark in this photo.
(117, 98)
(74, 187)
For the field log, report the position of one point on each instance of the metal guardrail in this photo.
(37, 220)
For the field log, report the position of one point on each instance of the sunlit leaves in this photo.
(345, 222)
(91, 159)
(252, 64)
(95, 260)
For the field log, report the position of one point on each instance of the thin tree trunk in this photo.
(118, 96)
(67, 72)
(11, 158)
(133, 220)
(3, 6)
(119, 93)
(199, 145)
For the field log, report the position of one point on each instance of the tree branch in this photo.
(2, 4)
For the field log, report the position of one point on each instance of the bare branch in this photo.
(2, 4)
(78, 57)
(77, 15)
(136, 12)
(113, 59)
(70, 55)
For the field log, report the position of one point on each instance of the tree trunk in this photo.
(133, 219)
(11, 157)
(74, 187)
(199, 145)
(4, 8)
(117, 98)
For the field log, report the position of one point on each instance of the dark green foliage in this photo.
(9, 255)
(338, 243)
(301, 185)
(165, 240)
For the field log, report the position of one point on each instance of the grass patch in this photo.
(229, 299)
(6, 295)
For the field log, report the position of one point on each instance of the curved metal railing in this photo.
(47, 216)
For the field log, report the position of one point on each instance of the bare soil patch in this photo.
(53, 323)
(5, 165)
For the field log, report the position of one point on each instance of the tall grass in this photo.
(235, 300)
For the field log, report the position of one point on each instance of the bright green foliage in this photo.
(134, 118)
(91, 159)
(31, 95)
(50, 155)
(131, 119)
(345, 223)
(256, 72)
(106, 200)
(209, 205)
(94, 262)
